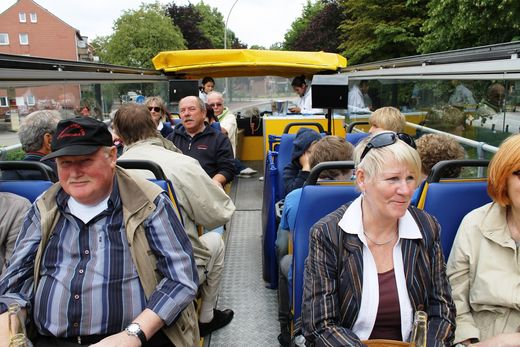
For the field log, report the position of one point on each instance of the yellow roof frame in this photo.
(197, 63)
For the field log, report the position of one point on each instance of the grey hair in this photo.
(214, 93)
(34, 126)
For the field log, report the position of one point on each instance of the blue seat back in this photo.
(269, 224)
(29, 189)
(449, 202)
(355, 138)
(315, 203)
(284, 157)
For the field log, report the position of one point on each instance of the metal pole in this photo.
(225, 39)
(225, 24)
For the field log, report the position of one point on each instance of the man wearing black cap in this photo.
(108, 258)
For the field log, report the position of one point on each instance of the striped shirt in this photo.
(89, 284)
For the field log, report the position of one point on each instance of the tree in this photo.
(202, 26)
(301, 24)
(453, 24)
(100, 44)
(212, 24)
(277, 46)
(381, 29)
(139, 35)
(187, 18)
(321, 32)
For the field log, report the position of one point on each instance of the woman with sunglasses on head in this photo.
(375, 261)
(483, 267)
(159, 114)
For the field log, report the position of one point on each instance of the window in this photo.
(4, 39)
(22, 17)
(24, 39)
(3, 101)
(30, 100)
(34, 17)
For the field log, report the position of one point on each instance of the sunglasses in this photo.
(387, 139)
(155, 109)
(215, 105)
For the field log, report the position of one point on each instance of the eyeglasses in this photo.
(155, 109)
(216, 105)
(387, 139)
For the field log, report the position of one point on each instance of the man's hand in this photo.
(305, 161)
(295, 110)
(119, 340)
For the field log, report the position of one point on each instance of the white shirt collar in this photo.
(352, 223)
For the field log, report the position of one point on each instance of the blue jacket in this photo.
(211, 148)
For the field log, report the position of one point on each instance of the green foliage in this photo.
(16, 155)
(139, 35)
(212, 24)
(321, 33)
(454, 24)
(301, 24)
(277, 46)
(376, 29)
(257, 47)
(100, 44)
(202, 26)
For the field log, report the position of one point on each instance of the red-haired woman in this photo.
(484, 264)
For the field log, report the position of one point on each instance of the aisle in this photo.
(243, 290)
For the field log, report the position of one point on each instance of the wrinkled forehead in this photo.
(189, 102)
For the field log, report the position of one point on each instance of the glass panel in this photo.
(21, 16)
(34, 17)
(482, 110)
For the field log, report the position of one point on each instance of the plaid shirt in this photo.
(89, 284)
(327, 319)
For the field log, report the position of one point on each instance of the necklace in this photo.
(379, 243)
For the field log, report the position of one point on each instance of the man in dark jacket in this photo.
(296, 172)
(198, 140)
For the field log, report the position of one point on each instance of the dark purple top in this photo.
(388, 319)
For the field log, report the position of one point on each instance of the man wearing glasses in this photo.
(228, 125)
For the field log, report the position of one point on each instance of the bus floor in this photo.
(242, 289)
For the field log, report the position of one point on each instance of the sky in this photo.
(255, 22)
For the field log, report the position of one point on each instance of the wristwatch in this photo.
(134, 329)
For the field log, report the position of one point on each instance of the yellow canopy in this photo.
(195, 64)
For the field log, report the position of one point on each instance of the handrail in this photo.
(472, 143)
(327, 165)
(439, 168)
(353, 124)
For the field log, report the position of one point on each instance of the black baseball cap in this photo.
(79, 136)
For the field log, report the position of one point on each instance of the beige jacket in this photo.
(201, 201)
(228, 121)
(137, 196)
(13, 209)
(484, 273)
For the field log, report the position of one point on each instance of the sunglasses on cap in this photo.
(387, 139)
(215, 105)
(155, 109)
